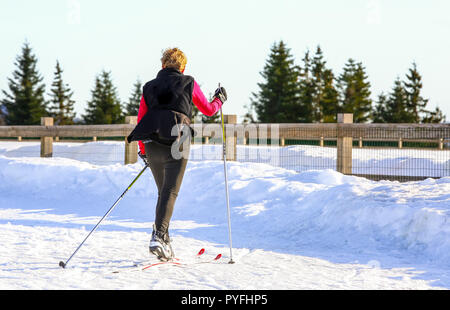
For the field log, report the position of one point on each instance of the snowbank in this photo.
(272, 208)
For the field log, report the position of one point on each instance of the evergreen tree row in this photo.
(289, 93)
(310, 92)
(25, 103)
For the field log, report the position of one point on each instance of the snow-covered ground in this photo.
(317, 229)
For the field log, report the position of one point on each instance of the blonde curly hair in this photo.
(174, 58)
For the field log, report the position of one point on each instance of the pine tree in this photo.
(415, 102)
(317, 70)
(61, 103)
(363, 101)
(397, 105)
(355, 91)
(325, 94)
(435, 116)
(346, 87)
(379, 111)
(25, 103)
(304, 109)
(132, 107)
(278, 94)
(104, 106)
(329, 102)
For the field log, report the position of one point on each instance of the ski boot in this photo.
(160, 245)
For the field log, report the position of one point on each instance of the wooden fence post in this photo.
(131, 149)
(344, 145)
(46, 142)
(230, 136)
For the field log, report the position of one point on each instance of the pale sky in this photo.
(226, 41)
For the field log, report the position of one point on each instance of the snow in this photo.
(317, 229)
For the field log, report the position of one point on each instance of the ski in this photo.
(176, 261)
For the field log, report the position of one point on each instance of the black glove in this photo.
(143, 157)
(221, 93)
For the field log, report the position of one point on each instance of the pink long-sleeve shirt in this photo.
(200, 101)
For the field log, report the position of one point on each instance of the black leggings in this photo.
(168, 174)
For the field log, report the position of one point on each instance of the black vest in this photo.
(169, 102)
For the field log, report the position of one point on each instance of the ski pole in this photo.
(64, 264)
(226, 185)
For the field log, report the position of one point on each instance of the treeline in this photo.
(289, 93)
(312, 92)
(25, 102)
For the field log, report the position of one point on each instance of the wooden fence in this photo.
(343, 134)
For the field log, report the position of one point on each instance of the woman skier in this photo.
(164, 112)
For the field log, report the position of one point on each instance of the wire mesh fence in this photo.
(402, 152)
